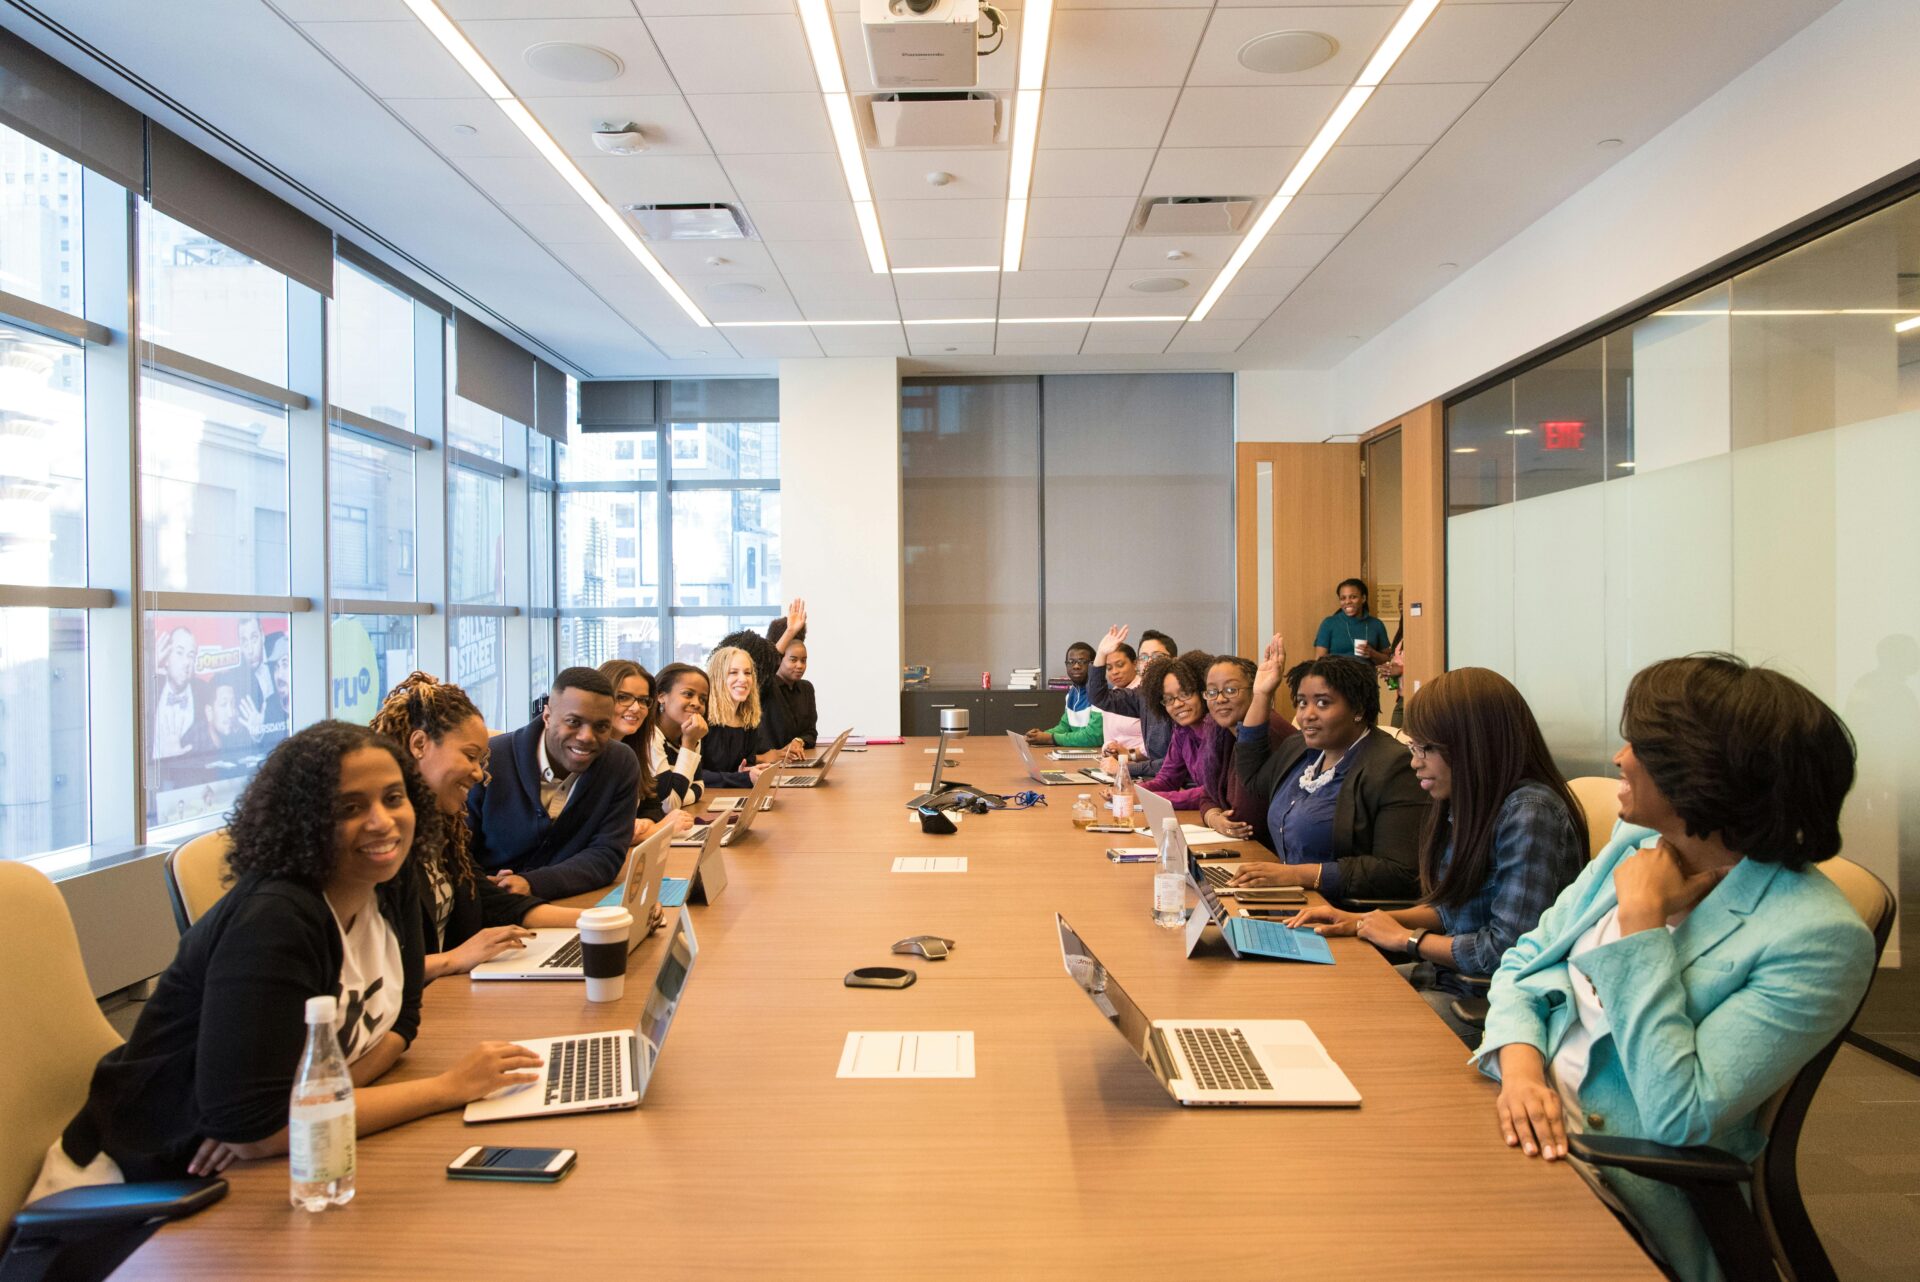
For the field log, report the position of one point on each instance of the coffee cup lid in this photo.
(605, 918)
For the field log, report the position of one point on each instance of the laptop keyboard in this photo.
(582, 1070)
(568, 955)
(800, 781)
(1221, 1060)
(1216, 875)
(1056, 776)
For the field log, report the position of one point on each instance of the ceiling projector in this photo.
(922, 44)
(619, 139)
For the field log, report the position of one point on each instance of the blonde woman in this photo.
(738, 746)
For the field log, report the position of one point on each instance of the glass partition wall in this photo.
(1733, 471)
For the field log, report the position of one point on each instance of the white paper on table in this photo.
(913, 816)
(958, 752)
(930, 863)
(1201, 835)
(942, 1054)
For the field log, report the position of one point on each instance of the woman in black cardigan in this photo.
(324, 840)
(466, 919)
(1344, 808)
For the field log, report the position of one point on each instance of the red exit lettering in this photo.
(1563, 435)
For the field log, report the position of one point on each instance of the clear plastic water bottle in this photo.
(1170, 877)
(1122, 790)
(320, 1122)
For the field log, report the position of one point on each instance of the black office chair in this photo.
(84, 1234)
(1773, 1235)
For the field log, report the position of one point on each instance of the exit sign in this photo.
(1563, 434)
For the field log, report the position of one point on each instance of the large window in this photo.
(43, 706)
(213, 490)
(210, 301)
(40, 225)
(43, 465)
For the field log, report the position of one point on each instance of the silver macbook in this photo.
(1053, 777)
(814, 778)
(1271, 1062)
(709, 871)
(1155, 809)
(749, 808)
(554, 953)
(826, 754)
(593, 1072)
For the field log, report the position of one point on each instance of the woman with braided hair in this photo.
(468, 919)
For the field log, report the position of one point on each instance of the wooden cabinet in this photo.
(992, 711)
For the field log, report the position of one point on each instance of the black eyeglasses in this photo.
(1216, 693)
(1168, 700)
(629, 700)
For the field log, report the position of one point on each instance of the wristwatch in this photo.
(1413, 942)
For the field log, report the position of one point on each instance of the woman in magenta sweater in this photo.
(1173, 689)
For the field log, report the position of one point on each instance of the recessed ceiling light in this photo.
(1629, 463)
(939, 178)
(1466, 449)
(1175, 255)
(465, 131)
(1519, 431)
(566, 60)
(1608, 142)
(1282, 53)
(1159, 285)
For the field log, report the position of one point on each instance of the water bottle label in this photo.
(320, 1141)
(1169, 892)
(1122, 805)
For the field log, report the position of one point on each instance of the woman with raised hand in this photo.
(1701, 959)
(781, 710)
(329, 840)
(1229, 808)
(466, 919)
(1343, 807)
(1127, 700)
(632, 709)
(1504, 836)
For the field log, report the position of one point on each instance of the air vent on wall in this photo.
(690, 222)
(1192, 215)
(959, 118)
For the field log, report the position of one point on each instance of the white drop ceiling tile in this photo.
(804, 220)
(1041, 308)
(1092, 49)
(1213, 335)
(758, 123)
(935, 309)
(395, 59)
(603, 261)
(1281, 249)
(850, 310)
(343, 10)
(1471, 43)
(1270, 281)
(1220, 171)
(665, 119)
(919, 344)
(768, 344)
(862, 342)
(1051, 285)
(657, 180)
(1143, 305)
(947, 285)
(1242, 307)
(1099, 344)
(696, 349)
(1201, 253)
(837, 287)
(788, 176)
(1103, 171)
(1269, 4)
(505, 43)
(554, 224)
(1079, 216)
(963, 251)
(941, 219)
(461, 10)
(691, 258)
(1324, 215)
(438, 120)
(1132, 4)
(977, 333)
(971, 175)
(1409, 114)
(1355, 30)
(774, 305)
(815, 256)
(1067, 253)
(517, 180)
(728, 53)
(1372, 170)
(1104, 118)
(1250, 116)
(1179, 300)
(652, 8)
(1026, 347)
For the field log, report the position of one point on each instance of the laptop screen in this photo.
(1208, 899)
(669, 982)
(1153, 809)
(1105, 991)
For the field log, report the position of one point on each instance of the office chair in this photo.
(56, 1034)
(197, 876)
(1773, 1236)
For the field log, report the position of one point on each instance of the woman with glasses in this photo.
(468, 918)
(1171, 688)
(1343, 806)
(1504, 836)
(632, 706)
(1229, 809)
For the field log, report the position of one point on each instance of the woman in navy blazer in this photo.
(1700, 960)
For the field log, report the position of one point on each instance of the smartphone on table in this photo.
(534, 1165)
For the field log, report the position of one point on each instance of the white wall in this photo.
(841, 532)
(1833, 110)
(1281, 405)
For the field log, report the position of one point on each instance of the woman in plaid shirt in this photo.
(1504, 837)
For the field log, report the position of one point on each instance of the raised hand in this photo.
(1272, 669)
(1110, 642)
(796, 615)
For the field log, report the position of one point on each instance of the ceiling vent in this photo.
(690, 222)
(1192, 215)
(957, 118)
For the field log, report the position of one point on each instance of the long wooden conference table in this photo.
(1061, 1157)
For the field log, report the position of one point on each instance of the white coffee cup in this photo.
(1359, 648)
(604, 933)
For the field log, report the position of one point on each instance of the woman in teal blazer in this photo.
(1700, 960)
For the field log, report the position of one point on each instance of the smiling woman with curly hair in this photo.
(328, 841)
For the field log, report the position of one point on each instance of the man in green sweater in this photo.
(1079, 726)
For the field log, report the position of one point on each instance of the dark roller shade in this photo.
(193, 187)
(723, 400)
(491, 371)
(617, 405)
(550, 402)
(60, 109)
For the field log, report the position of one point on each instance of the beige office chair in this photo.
(197, 876)
(56, 1034)
(1599, 796)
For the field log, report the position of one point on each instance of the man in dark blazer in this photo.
(557, 816)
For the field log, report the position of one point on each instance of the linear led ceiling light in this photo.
(1036, 29)
(1411, 19)
(442, 29)
(1911, 323)
(955, 320)
(932, 271)
(817, 22)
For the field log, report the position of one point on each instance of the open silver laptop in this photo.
(554, 953)
(1051, 777)
(824, 755)
(709, 876)
(748, 809)
(814, 778)
(1271, 1062)
(1155, 810)
(592, 1072)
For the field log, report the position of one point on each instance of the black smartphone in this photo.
(534, 1165)
(880, 977)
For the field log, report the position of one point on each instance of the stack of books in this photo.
(1059, 683)
(914, 675)
(1024, 679)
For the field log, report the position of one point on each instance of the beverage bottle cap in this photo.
(320, 1010)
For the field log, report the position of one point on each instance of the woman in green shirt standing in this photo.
(1351, 630)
